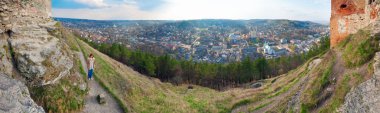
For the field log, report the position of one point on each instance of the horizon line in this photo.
(319, 22)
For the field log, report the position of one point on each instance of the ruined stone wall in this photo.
(27, 43)
(13, 11)
(348, 16)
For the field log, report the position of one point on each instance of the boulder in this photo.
(83, 86)
(101, 98)
(15, 97)
(39, 55)
(256, 85)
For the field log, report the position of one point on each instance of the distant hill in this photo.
(198, 23)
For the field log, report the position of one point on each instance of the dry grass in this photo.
(359, 48)
(139, 93)
(336, 73)
(145, 94)
(63, 97)
(319, 78)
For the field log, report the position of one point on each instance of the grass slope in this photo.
(143, 94)
(138, 93)
(65, 96)
(146, 95)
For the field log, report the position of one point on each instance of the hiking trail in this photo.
(91, 104)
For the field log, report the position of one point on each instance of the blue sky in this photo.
(312, 10)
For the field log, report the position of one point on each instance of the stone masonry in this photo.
(348, 16)
(38, 56)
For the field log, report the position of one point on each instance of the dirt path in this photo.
(276, 100)
(272, 102)
(269, 103)
(91, 104)
(339, 71)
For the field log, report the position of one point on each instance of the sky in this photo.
(307, 10)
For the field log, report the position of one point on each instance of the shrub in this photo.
(59, 98)
(241, 103)
(359, 48)
(312, 93)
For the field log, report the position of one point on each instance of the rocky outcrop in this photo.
(15, 98)
(33, 51)
(38, 56)
(366, 97)
(101, 98)
(349, 16)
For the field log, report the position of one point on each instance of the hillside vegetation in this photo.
(217, 76)
(68, 94)
(320, 84)
(143, 94)
(139, 93)
(42, 57)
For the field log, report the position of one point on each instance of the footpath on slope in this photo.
(268, 104)
(91, 104)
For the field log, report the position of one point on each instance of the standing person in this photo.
(90, 66)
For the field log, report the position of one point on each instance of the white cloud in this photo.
(313, 10)
(93, 3)
(116, 12)
(247, 9)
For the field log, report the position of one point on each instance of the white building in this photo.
(268, 49)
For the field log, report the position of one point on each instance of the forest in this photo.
(216, 76)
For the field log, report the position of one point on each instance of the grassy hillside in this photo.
(143, 94)
(65, 96)
(319, 85)
(139, 93)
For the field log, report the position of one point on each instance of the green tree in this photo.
(115, 51)
(149, 66)
(261, 65)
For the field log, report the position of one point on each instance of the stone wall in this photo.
(25, 33)
(12, 10)
(348, 16)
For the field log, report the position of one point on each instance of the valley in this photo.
(43, 65)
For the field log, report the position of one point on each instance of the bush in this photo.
(359, 48)
(311, 94)
(59, 98)
(199, 105)
(241, 103)
(325, 78)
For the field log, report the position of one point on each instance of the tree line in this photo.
(217, 76)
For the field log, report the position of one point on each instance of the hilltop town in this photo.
(216, 41)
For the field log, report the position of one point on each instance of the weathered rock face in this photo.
(15, 98)
(38, 56)
(366, 97)
(6, 66)
(13, 10)
(348, 16)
